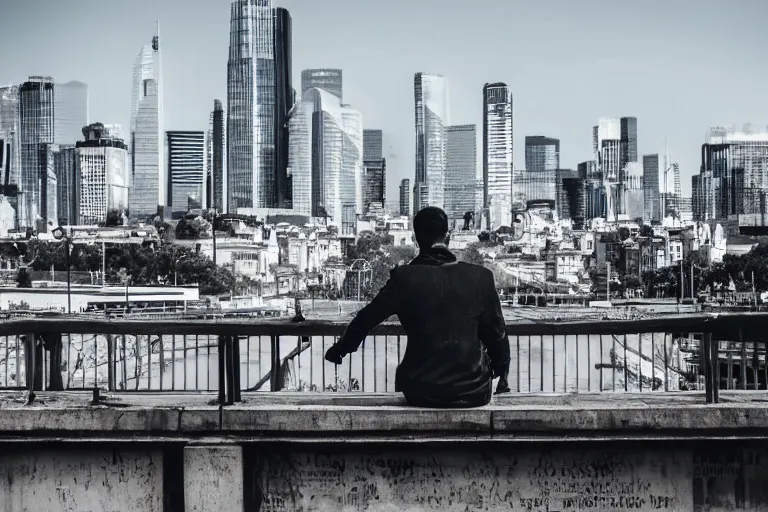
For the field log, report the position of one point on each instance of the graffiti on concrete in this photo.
(443, 480)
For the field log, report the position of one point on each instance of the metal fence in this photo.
(234, 356)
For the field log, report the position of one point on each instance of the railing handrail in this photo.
(752, 325)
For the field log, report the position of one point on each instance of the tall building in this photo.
(542, 159)
(327, 79)
(405, 197)
(633, 191)
(216, 159)
(733, 180)
(431, 117)
(300, 156)
(498, 163)
(259, 99)
(562, 206)
(186, 170)
(65, 168)
(628, 139)
(36, 119)
(651, 196)
(374, 183)
(71, 110)
(102, 177)
(11, 130)
(148, 178)
(460, 170)
(606, 140)
(373, 142)
(594, 193)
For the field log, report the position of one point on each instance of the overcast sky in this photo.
(679, 66)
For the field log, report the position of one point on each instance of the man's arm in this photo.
(380, 308)
(493, 333)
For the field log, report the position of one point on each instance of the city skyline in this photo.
(561, 101)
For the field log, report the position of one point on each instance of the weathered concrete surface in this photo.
(213, 478)
(290, 415)
(56, 480)
(451, 479)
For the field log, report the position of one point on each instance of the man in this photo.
(457, 343)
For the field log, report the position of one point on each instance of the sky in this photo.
(679, 66)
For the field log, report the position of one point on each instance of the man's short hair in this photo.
(431, 223)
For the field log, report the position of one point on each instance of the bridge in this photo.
(652, 414)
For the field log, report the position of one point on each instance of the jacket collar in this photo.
(436, 255)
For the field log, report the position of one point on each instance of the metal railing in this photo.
(234, 356)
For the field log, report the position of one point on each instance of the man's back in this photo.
(452, 316)
(446, 310)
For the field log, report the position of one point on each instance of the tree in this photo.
(113, 218)
(23, 278)
(192, 228)
(472, 255)
(381, 266)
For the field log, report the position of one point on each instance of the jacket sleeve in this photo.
(379, 309)
(492, 329)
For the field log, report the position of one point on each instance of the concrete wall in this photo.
(446, 477)
(46, 479)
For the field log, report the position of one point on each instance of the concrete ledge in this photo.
(295, 416)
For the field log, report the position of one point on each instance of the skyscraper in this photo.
(186, 170)
(373, 145)
(300, 156)
(335, 142)
(216, 159)
(71, 110)
(65, 168)
(542, 159)
(405, 196)
(36, 117)
(148, 183)
(498, 163)
(606, 139)
(431, 117)
(10, 128)
(460, 170)
(651, 195)
(628, 138)
(326, 79)
(374, 171)
(260, 97)
(101, 178)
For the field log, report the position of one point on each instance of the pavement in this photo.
(368, 417)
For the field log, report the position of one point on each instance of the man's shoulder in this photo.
(461, 266)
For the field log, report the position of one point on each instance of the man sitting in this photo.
(457, 342)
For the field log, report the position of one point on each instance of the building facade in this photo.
(327, 79)
(148, 177)
(460, 170)
(36, 122)
(11, 132)
(373, 142)
(374, 183)
(71, 108)
(216, 159)
(542, 159)
(498, 162)
(65, 168)
(405, 197)
(186, 170)
(102, 177)
(259, 99)
(651, 196)
(431, 118)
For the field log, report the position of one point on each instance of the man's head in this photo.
(430, 226)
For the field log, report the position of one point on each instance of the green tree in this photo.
(390, 257)
(193, 228)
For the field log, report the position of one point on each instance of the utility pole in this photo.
(754, 293)
(103, 263)
(682, 281)
(693, 290)
(608, 280)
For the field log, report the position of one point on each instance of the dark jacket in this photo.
(456, 332)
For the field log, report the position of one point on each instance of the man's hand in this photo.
(334, 354)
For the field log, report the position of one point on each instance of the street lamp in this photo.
(61, 234)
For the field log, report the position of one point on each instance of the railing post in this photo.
(236, 368)
(711, 368)
(53, 345)
(230, 363)
(222, 370)
(110, 363)
(276, 377)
